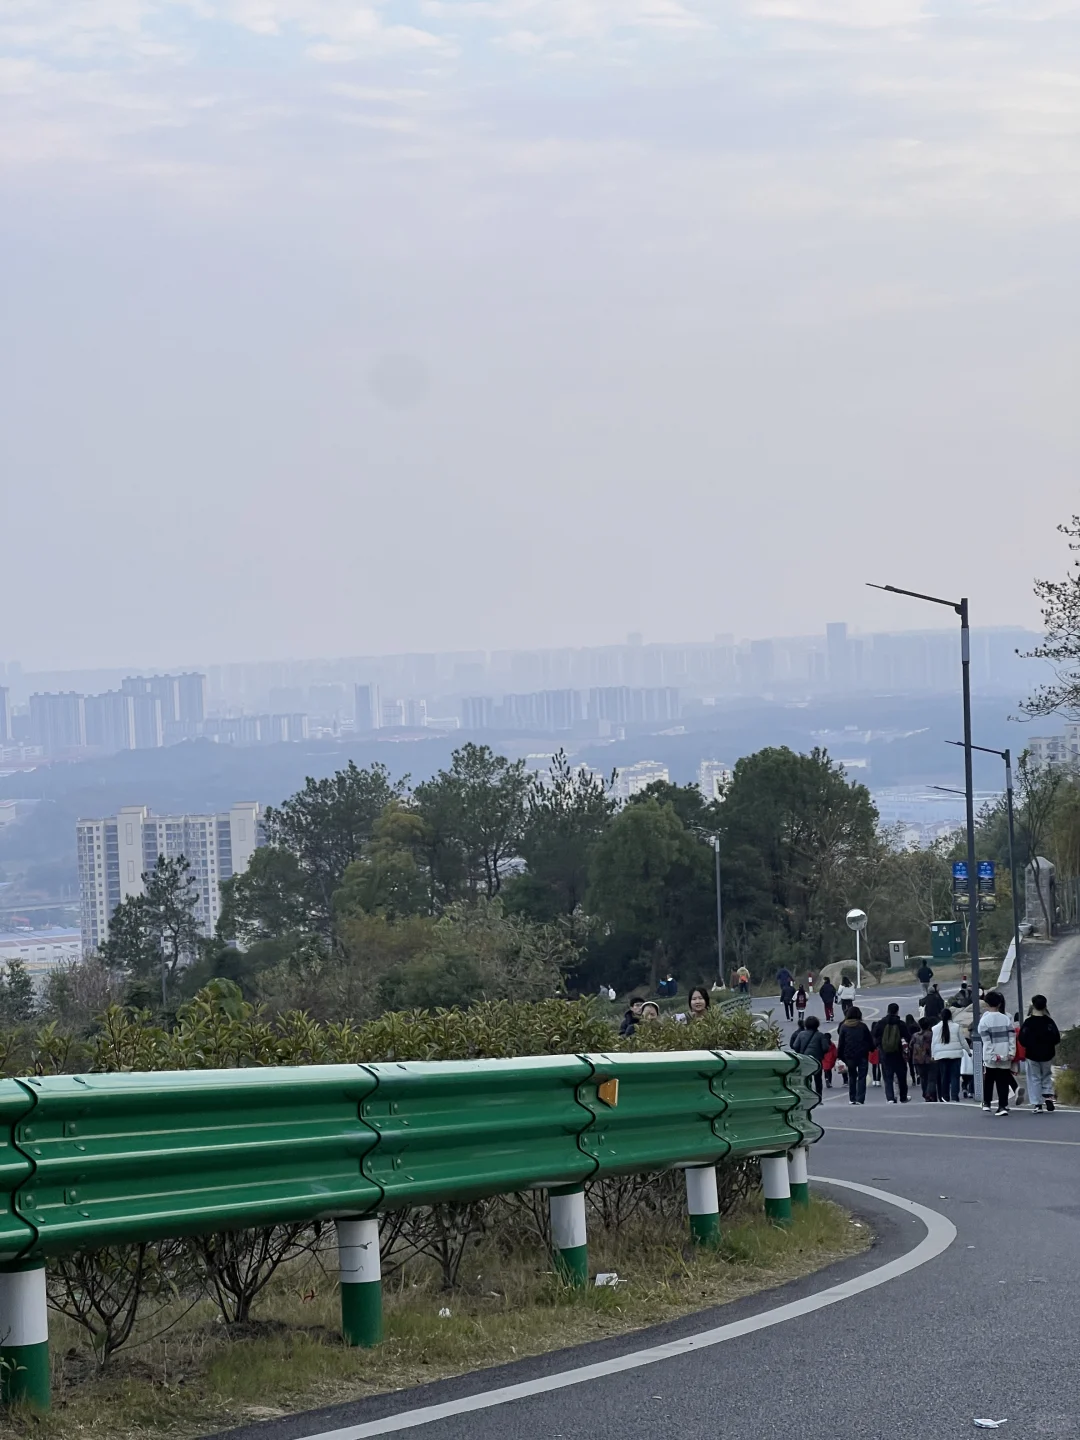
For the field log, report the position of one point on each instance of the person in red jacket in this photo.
(828, 1060)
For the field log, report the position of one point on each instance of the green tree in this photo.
(1038, 788)
(387, 878)
(477, 952)
(566, 813)
(650, 878)
(325, 827)
(474, 814)
(18, 1003)
(130, 949)
(267, 900)
(1060, 601)
(797, 840)
(153, 936)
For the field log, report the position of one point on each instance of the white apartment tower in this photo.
(115, 853)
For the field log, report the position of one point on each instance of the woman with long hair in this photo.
(947, 1048)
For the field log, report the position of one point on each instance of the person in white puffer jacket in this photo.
(947, 1048)
(998, 1036)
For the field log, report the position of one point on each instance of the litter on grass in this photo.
(444, 1313)
(606, 1277)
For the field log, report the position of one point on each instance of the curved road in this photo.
(985, 1329)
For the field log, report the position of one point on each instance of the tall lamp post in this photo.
(1006, 755)
(719, 919)
(961, 609)
(856, 920)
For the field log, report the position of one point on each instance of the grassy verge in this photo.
(196, 1377)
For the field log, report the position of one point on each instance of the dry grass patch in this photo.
(198, 1377)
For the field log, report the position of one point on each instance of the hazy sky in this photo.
(332, 327)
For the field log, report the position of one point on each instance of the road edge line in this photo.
(940, 1233)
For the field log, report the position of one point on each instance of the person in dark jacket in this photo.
(924, 975)
(891, 1034)
(632, 1016)
(828, 998)
(853, 1045)
(933, 1004)
(962, 999)
(797, 1031)
(922, 1053)
(787, 996)
(1040, 1038)
(912, 1030)
(810, 1041)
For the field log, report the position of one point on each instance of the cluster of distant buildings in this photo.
(142, 713)
(592, 690)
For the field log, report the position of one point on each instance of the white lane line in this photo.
(940, 1233)
(945, 1135)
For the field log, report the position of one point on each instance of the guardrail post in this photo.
(774, 1177)
(797, 1176)
(24, 1335)
(361, 1281)
(568, 1235)
(702, 1204)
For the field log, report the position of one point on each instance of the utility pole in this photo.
(719, 918)
(960, 607)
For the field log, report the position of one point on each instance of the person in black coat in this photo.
(632, 1016)
(933, 1005)
(828, 997)
(810, 1041)
(853, 1045)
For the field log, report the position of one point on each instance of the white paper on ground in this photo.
(989, 1424)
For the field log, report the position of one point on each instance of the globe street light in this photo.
(856, 920)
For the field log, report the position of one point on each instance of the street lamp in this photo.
(1006, 755)
(719, 918)
(856, 920)
(961, 609)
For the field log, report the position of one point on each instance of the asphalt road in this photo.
(986, 1329)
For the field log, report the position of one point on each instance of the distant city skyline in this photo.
(17, 675)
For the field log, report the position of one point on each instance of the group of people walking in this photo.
(936, 1054)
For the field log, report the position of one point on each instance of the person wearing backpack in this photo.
(1040, 1038)
(947, 1048)
(890, 1035)
(800, 1001)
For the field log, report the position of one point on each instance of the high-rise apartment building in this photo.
(58, 722)
(839, 666)
(5, 716)
(110, 721)
(632, 779)
(114, 853)
(714, 777)
(167, 707)
(393, 714)
(368, 707)
(1055, 749)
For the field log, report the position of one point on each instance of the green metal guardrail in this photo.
(93, 1160)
